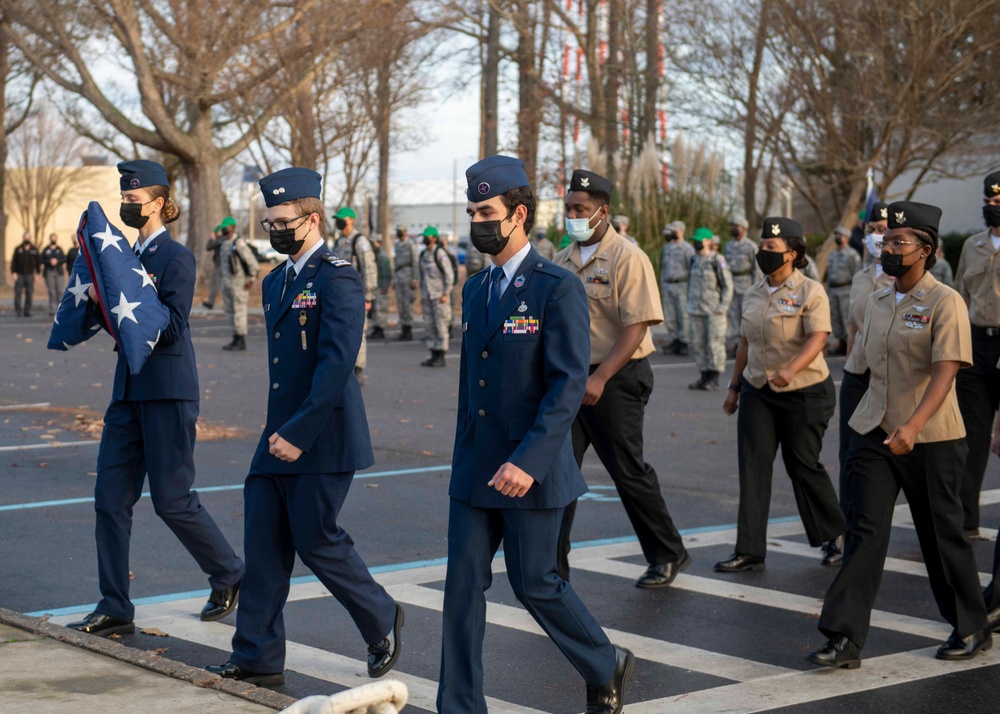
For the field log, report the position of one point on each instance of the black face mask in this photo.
(770, 260)
(131, 214)
(734, 232)
(487, 238)
(399, 234)
(284, 241)
(698, 245)
(892, 264)
(341, 224)
(991, 214)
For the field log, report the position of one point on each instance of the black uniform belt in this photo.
(839, 285)
(986, 331)
(678, 280)
(741, 273)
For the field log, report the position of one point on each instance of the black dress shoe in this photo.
(839, 653)
(738, 562)
(610, 699)
(965, 647)
(103, 625)
(261, 679)
(993, 619)
(660, 576)
(383, 655)
(220, 603)
(833, 551)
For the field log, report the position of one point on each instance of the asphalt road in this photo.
(710, 643)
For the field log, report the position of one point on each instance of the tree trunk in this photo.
(751, 171)
(488, 140)
(207, 205)
(647, 122)
(304, 151)
(529, 114)
(4, 68)
(613, 78)
(383, 123)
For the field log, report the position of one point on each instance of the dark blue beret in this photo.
(910, 214)
(778, 227)
(141, 174)
(589, 182)
(493, 176)
(290, 184)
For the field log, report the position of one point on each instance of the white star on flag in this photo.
(108, 238)
(146, 280)
(80, 291)
(124, 309)
(152, 345)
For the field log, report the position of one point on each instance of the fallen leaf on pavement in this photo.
(153, 631)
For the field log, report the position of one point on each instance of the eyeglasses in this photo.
(281, 225)
(871, 229)
(896, 243)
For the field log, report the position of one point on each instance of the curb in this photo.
(146, 660)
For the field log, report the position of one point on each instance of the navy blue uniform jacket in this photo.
(171, 371)
(521, 386)
(314, 399)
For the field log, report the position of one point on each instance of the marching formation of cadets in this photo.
(918, 405)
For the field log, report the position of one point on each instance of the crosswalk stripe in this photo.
(319, 664)
(664, 652)
(769, 598)
(892, 565)
(812, 685)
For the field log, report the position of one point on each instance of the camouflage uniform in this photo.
(710, 292)
(238, 265)
(841, 266)
(675, 264)
(407, 273)
(364, 263)
(436, 279)
(741, 256)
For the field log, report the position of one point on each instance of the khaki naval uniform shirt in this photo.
(621, 291)
(902, 342)
(863, 285)
(977, 280)
(777, 325)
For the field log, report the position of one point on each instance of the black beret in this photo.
(910, 214)
(778, 227)
(879, 212)
(991, 185)
(590, 182)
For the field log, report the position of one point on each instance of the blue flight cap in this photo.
(142, 174)
(493, 176)
(290, 184)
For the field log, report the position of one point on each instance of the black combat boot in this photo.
(682, 349)
(376, 333)
(232, 344)
(712, 383)
(406, 335)
(700, 383)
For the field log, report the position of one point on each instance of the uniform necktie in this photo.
(494, 299)
(289, 279)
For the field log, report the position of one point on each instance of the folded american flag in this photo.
(126, 293)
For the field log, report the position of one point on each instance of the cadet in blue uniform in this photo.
(525, 350)
(315, 438)
(149, 427)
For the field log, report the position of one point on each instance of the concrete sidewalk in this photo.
(48, 669)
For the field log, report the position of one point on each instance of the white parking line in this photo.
(52, 445)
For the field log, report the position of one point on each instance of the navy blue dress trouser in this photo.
(156, 438)
(530, 541)
(289, 514)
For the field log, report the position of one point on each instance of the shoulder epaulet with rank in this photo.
(335, 261)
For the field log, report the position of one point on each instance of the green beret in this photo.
(430, 231)
(702, 234)
(227, 222)
(345, 212)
